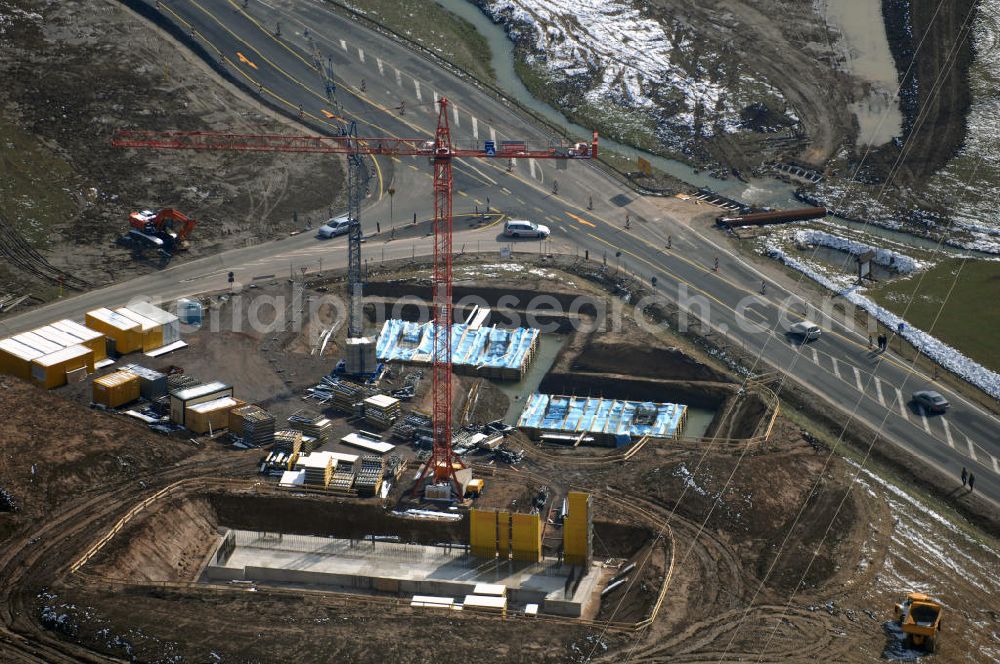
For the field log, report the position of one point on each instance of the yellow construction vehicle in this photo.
(919, 617)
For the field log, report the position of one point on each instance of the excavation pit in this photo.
(378, 566)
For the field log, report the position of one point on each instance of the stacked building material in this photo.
(413, 427)
(368, 478)
(253, 424)
(287, 441)
(210, 416)
(316, 427)
(346, 396)
(318, 469)
(381, 411)
(394, 466)
(152, 384)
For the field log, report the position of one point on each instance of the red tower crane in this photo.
(443, 463)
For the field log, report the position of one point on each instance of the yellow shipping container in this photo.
(152, 332)
(126, 333)
(116, 389)
(50, 370)
(92, 339)
(210, 416)
(15, 358)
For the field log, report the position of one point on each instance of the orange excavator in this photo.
(166, 230)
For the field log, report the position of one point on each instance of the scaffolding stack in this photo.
(253, 424)
(368, 478)
(318, 469)
(381, 411)
(346, 396)
(414, 426)
(343, 478)
(287, 441)
(315, 427)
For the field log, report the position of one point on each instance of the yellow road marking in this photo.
(462, 193)
(579, 219)
(244, 59)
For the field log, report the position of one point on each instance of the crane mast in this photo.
(441, 151)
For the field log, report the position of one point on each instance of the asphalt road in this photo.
(398, 95)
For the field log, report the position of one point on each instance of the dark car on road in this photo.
(931, 401)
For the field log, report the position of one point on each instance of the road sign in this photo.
(490, 148)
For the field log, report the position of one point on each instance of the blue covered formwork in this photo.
(612, 421)
(487, 351)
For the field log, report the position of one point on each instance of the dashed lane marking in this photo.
(878, 390)
(475, 128)
(399, 78)
(416, 87)
(454, 115)
(815, 355)
(857, 379)
(462, 194)
(972, 448)
(381, 70)
(899, 400)
(947, 432)
(996, 468)
(507, 191)
(343, 44)
(493, 134)
(436, 98)
(836, 368)
(361, 55)
(923, 418)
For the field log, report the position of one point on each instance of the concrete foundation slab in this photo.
(400, 569)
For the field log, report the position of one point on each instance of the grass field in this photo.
(968, 318)
(35, 187)
(435, 28)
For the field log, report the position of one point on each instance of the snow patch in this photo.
(892, 259)
(948, 357)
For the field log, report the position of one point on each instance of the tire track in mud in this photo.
(41, 556)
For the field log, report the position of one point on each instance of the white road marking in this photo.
(513, 163)
(454, 115)
(399, 78)
(505, 190)
(996, 467)
(972, 448)
(878, 390)
(381, 71)
(947, 432)
(815, 355)
(416, 87)
(361, 55)
(493, 135)
(531, 165)
(343, 44)
(899, 400)
(475, 128)
(436, 97)
(923, 418)
(857, 379)
(836, 367)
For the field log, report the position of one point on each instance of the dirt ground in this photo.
(75, 72)
(782, 549)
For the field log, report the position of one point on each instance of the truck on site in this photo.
(919, 617)
(165, 231)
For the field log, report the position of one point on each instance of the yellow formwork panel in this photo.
(483, 533)
(526, 537)
(503, 535)
(577, 529)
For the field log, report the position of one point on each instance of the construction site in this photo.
(408, 433)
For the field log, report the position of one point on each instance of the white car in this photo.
(806, 329)
(525, 228)
(334, 227)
